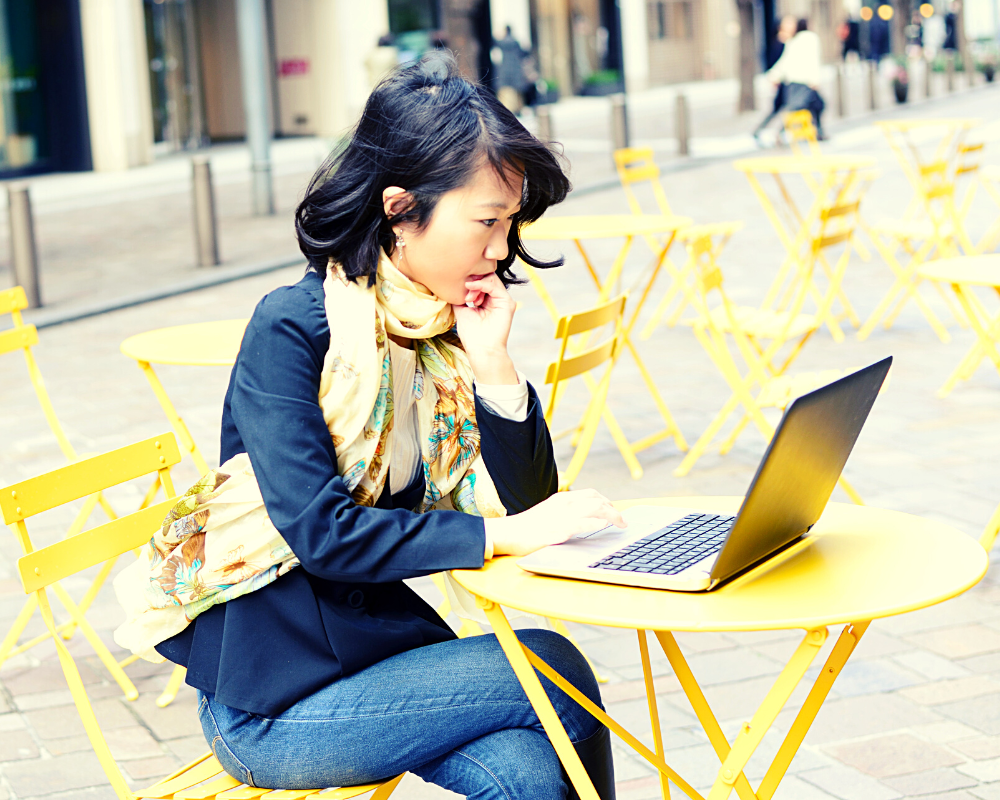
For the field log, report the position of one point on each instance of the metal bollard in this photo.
(872, 85)
(949, 68)
(619, 122)
(544, 114)
(682, 122)
(928, 74)
(841, 106)
(24, 253)
(206, 236)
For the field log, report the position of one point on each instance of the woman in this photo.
(799, 68)
(322, 668)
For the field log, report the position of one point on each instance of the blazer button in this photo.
(356, 599)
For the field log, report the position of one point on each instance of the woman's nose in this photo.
(496, 247)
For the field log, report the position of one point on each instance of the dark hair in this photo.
(427, 129)
(802, 25)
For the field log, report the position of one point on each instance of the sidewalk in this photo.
(915, 715)
(106, 239)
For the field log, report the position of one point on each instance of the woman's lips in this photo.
(476, 277)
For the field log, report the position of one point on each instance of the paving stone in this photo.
(645, 788)
(959, 642)
(931, 782)
(849, 785)
(15, 745)
(178, 719)
(899, 754)
(930, 665)
(11, 722)
(979, 712)
(92, 793)
(56, 722)
(148, 770)
(187, 748)
(984, 771)
(988, 663)
(727, 666)
(987, 791)
(45, 776)
(56, 697)
(44, 678)
(944, 732)
(877, 643)
(128, 744)
(629, 690)
(853, 717)
(793, 787)
(66, 745)
(874, 675)
(979, 748)
(946, 691)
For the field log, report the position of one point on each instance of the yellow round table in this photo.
(862, 563)
(200, 344)
(962, 274)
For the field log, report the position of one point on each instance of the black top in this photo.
(346, 606)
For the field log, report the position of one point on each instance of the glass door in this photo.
(23, 130)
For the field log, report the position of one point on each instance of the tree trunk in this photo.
(748, 55)
(900, 20)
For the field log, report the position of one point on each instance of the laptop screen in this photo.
(800, 468)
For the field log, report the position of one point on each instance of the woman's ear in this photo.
(395, 201)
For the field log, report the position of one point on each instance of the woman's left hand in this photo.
(483, 326)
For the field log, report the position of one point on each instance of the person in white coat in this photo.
(799, 69)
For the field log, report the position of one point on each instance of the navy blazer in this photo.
(346, 607)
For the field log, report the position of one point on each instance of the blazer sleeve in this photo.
(518, 455)
(275, 409)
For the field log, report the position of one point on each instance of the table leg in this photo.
(654, 712)
(986, 331)
(187, 442)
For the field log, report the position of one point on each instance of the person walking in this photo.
(799, 68)
(786, 30)
(510, 80)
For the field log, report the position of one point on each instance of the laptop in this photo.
(692, 550)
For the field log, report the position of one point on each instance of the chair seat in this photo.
(205, 779)
(910, 229)
(760, 323)
(780, 391)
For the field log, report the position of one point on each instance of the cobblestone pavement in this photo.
(915, 713)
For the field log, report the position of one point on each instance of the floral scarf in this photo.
(218, 543)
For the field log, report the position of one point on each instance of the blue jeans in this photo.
(452, 713)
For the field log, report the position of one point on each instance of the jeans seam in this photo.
(488, 772)
(504, 703)
(248, 775)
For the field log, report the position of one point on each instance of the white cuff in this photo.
(509, 401)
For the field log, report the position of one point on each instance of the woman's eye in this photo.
(489, 223)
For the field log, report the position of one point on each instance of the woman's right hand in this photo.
(553, 521)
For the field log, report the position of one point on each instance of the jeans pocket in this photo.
(220, 749)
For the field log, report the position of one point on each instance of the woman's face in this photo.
(465, 237)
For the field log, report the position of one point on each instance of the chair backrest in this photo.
(801, 133)
(23, 337)
(39, 569)
(636, 165)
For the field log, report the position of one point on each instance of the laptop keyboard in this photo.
(671, 549)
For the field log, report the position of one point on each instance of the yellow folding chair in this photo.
(41, 570)
(990, 179)
(801, 133)
(767, 341)
(636, 166)
(579, 357)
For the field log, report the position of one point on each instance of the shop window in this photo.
(23, 129)
(670, 19)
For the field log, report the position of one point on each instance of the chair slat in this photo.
(243, 793)
(931, 169)
(822, 242)
(584, 362)
(289, 794)
(199, 772)
(13, 300)
(16, 338)
(204, 791)
(645, 172)
(69, 556)
(839, 211)
(573, 324)
(90, 475)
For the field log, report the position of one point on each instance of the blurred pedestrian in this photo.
(510, 78)
(799, 68)
(786, 30)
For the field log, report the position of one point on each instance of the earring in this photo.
(400, 244)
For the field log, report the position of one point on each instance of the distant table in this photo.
(964, 274)
(580, 229)
(863, 563)
(834, 182)
(201, 344)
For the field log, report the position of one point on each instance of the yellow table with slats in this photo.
(200, 344)
(862, 563)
